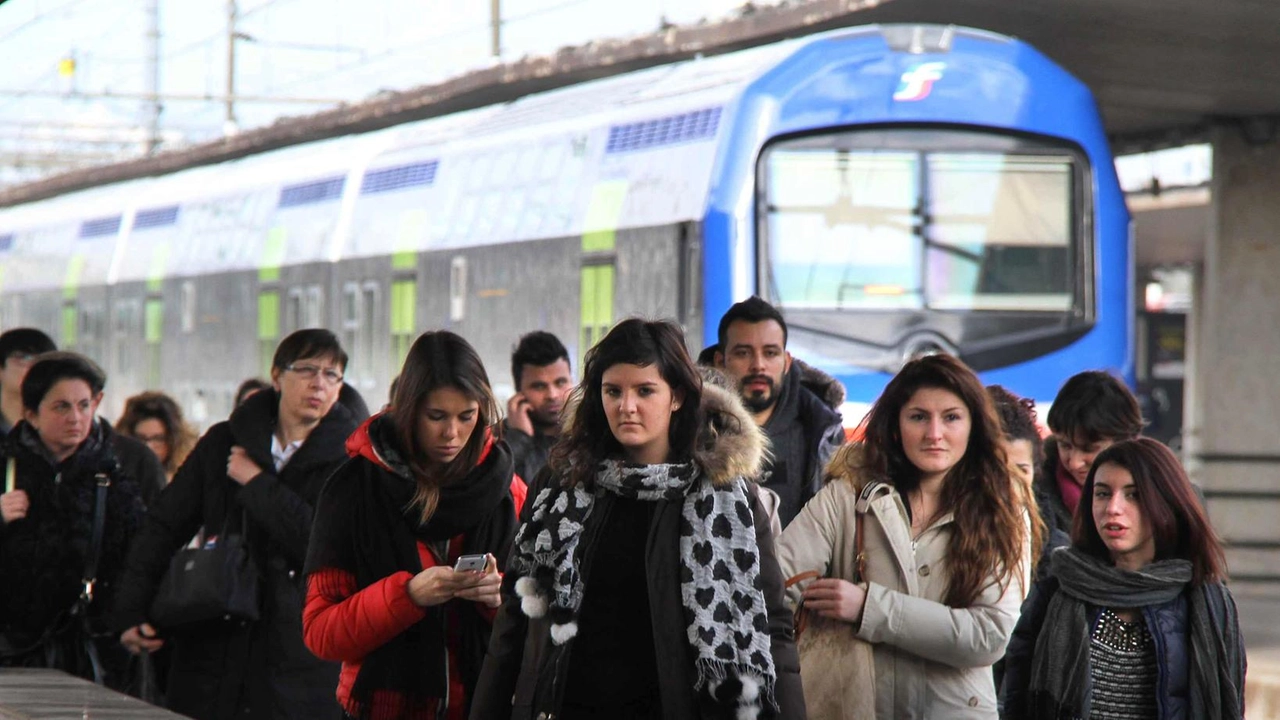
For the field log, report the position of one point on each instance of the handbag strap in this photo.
(103, 481)
(95, 546)
(860, 510)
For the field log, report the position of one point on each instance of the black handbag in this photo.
(217, 579)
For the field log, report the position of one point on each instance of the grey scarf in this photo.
(1060, 668)
(727, 620)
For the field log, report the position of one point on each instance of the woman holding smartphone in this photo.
(410, 538)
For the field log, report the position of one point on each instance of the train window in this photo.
(293, 311)
(368, 320)
(313, 307)
(404, 304)
(152, 332)
(128, 328)
(457, 288)
(268, 328)
(188, 307)
(351, 334)
(885, 236)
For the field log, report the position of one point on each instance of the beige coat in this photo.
(933, 662)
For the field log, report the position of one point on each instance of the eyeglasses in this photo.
(21, 358)
(309, 372)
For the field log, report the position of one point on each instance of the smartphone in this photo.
(471, 563)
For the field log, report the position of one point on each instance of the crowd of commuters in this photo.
(641, 544)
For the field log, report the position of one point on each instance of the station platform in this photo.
(31, 694)
(1259, 607)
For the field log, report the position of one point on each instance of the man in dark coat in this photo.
(55, 463)
(543, 380)
(266, 466)
(804, 429)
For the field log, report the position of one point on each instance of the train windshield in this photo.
(902, 240)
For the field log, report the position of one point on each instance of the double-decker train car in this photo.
(894, 189)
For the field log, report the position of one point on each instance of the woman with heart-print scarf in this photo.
(642, 582)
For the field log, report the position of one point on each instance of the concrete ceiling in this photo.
(1162, 70)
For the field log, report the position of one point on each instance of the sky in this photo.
(325, 50)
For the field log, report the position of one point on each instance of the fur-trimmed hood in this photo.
(730, 444)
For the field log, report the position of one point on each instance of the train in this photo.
(893, 189)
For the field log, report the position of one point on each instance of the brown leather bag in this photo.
(837, 668)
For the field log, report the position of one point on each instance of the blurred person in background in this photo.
(1022, 443)
(248, 388)
(18, 350)
(55, 461)
(428, 484)
(266, 463)
(543, 379)
(1092, 410)
(155, 420)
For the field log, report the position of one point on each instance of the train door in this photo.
(127, 356)
(304, 308)
(598, 274)
(358, 323)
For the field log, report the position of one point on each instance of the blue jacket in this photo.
(1170, 631)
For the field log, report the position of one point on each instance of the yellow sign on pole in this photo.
(67, 67)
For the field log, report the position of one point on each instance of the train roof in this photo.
(629, 151)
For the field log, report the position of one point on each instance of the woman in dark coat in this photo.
(1134, 619)
(427, 484)
(55, 461)
(267, 463)
(643, 582)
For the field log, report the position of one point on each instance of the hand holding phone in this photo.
(518, 408)
(471, 563)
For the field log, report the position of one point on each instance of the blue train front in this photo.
(899, 190)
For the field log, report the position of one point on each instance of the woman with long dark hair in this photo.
(948, 546)
(643, 582)
(1133, 619)
(427, 490)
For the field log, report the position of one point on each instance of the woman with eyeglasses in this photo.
(155, 420)
(409, 541)
(258, 473)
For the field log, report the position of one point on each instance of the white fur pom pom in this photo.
(748, 712)
(526, 587)
(750, 688)
(534, 606)
(561, 634)
(532, 603)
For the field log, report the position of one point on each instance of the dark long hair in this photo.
(437, 360)
(1178, 521)
(634, 341)
(990, 521)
